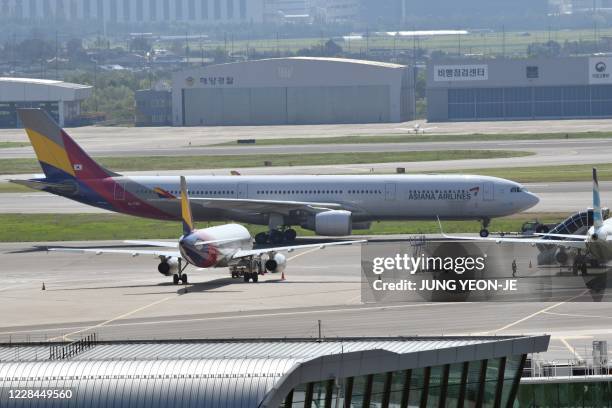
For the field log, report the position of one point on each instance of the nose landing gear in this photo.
(484, 232)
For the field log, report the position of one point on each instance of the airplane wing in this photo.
(265, 206)
(569, 236)
(255, 252)
(162, 244)
(132, 252)
(531, 241)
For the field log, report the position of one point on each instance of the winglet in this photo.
(597, 214)
(186, 208)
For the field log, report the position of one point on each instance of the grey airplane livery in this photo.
(327, 205)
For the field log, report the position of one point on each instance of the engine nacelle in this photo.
(333, 223)
(168, 267)
(561, 256)
(276, 263)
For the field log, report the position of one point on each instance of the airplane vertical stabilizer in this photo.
(597, 214)
(186, 209)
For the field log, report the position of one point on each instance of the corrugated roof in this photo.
(244, 349)
(47, 82)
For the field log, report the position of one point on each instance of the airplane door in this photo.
(488, 193)
(243, 190)
(390, 191)
(120, 191)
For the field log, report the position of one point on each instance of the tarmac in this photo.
(121, 297)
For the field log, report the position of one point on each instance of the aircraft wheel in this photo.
(276, 237)
(175, 279)
(261, 238)
(246, 277)
(583, 269)
(594, 263)
(484, 233)
(290, 235)
(184, 279)
(255, 278)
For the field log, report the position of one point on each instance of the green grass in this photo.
(81, 227)
(580, 172)
(13, 188)
(20, 166)
(420, 138)
(7, 145)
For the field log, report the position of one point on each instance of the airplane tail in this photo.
(59, 155)
(186, 209)
(597, 214)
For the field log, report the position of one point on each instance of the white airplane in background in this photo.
(328, 205)
(597, 243)
(228, 245)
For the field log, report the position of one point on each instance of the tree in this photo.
(140, 44)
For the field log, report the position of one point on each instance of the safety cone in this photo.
(43, 287)
(283, 276)
(530, 264)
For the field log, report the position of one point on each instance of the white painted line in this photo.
(571, 349)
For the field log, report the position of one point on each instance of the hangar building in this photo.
(62, 100)
(273, 373)
(291, 91)
(519, 89)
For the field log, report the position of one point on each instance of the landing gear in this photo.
(184, 279)
(484, 232)
(175, 279)
(276, 236)
(180, 276)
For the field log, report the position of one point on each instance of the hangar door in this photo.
(234, 106)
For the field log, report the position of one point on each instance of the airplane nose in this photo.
(531, 200)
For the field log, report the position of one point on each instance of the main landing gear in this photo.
(276, 236)
(180, 277)
(484, 232)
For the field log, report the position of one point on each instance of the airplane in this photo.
(596, 244)
(328, 205)
(227, 245)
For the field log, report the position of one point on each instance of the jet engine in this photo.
(276, 263)
(331, 223)
(561, 256)
(168, 267)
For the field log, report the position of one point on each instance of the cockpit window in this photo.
(518, 190)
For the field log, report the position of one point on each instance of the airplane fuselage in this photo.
(368, 197)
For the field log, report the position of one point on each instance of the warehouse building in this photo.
(342, 372)
(292, 91)
(519, 89)
(62, 100)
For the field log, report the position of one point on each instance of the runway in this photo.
(125, 297)
(567, 197)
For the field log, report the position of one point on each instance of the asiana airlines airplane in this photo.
(327, 205)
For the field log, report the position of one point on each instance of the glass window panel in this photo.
(512, 365)
(359, 388)
(547, 395)
(491, 381)
(378, 390)
(416, 387)
(454, 385)
(398, 381)
(299, 396)
(435, 387)
(472, 384)
(318, 394)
